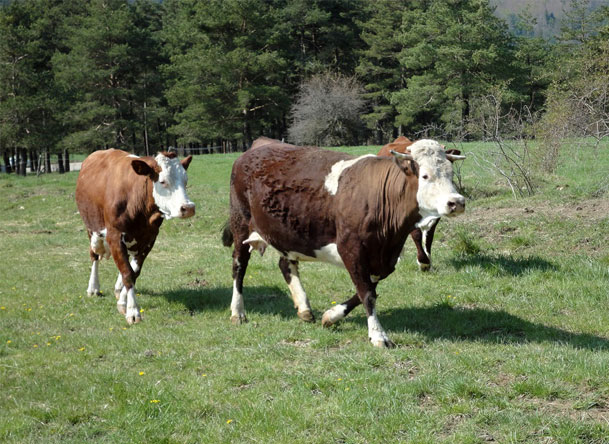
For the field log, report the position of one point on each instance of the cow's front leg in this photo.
(376, 333)
(423, 239)
(366, 291)
(289, 269)
(339, 311)
(126, 304)
(118, 286)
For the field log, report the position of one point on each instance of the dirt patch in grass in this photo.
(591, 210)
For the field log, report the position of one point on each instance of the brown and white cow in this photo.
(317, 205)
(123, 200)
(423, 234)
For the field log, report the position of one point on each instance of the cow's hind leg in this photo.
(301, 303)
(241, 256)
(93, 289)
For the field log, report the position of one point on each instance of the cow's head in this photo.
(169, 179)
(437, 195)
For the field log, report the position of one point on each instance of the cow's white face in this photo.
(169, 191)
(437, 195)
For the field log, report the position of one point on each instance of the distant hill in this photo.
(547, 12)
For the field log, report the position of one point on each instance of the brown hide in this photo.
(400, 145)
(111, 195)
(278, 191)
(262, 141)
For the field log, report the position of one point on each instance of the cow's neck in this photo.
(397, 199)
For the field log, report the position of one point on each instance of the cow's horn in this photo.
(402, 155)
(453, 157)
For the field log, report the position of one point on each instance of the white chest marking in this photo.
(331, 181)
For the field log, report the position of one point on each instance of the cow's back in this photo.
(282, 187)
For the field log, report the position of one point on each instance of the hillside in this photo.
(547, 12)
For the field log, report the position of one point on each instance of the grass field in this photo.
(506, 341)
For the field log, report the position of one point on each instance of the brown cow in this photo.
(399, 145)
(354, 212)
(123, 200)
(262, 141)
(422, 238)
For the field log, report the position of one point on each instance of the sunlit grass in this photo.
(507, 340)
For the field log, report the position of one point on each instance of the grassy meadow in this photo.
(506, 340)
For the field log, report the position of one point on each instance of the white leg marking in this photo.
(377, 335)
(424, 242)
(93, 288)
(333, 315)
(331, 181)
(301, 302)
(133, 315)
(237, 307)
(121, 304)
(118, 286)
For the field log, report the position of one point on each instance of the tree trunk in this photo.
(7, 162)
(60, 162)
(47, 161)
(66, 160)
(22, 153)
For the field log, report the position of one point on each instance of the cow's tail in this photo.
(227, 235)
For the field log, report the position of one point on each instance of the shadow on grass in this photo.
(266, 300)
(503, 265)
(443, 321)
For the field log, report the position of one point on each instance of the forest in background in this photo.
(145, 75)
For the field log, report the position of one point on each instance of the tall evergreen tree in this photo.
(457, 49)
(96, 74)
(379, 66)
(225, 71)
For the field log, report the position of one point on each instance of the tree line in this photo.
(145, 75)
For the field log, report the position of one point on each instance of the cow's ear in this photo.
(405, 162)
(409, 167)
(186, 162)
(144, 169)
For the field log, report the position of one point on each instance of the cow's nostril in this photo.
(187, 210)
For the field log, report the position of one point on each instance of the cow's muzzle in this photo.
(187, 210)
(456, 205)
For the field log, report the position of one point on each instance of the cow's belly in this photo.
(327, 253)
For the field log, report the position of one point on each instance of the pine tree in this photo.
(379, 65)
(95, 74)
(457, 49)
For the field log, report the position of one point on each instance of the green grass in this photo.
(506, 341)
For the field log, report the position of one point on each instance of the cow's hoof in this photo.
(122, 308)
(382, 343)
(94, 293)
(133, 319)
(238, 319)
(326, 320)
(306, 316)
(425, 267)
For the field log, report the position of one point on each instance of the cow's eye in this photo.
(424, 177)
(163, 182)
